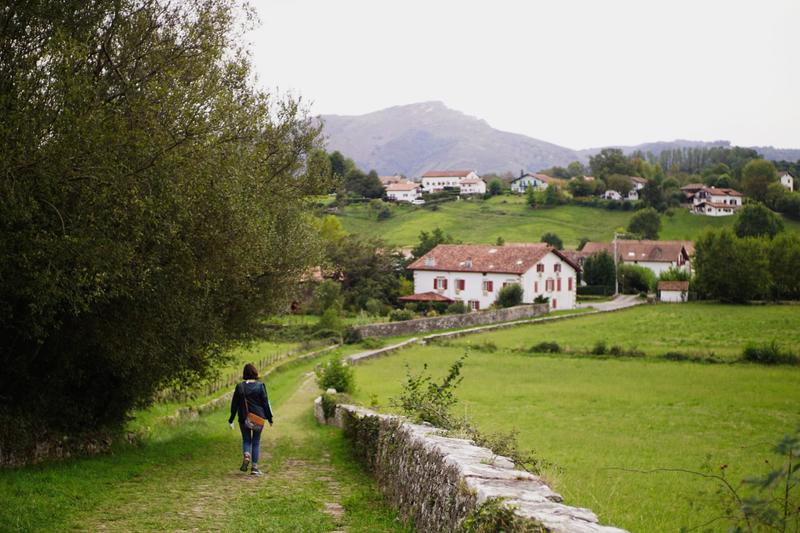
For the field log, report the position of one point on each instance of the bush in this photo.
(373, 343)
(600, 348)
(456, 308)
(401, 315)
(374, 307)
(553, 240)
(541, 299)
(545, 347)
(769, 354)
(330, 321)
(328, 405)
(634, 279)
(334, 374)
(351, 335)
(510, 295)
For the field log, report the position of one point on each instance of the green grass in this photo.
(186, 477)
(591, 417)
(692, 328)
(479, 221)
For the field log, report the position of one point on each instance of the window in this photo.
(540, 267)
(549, 285)
(474, 305)
(557, 267)
(488, 286)
(569, 284)
(559, 283)
(440, 284)
(460, 285)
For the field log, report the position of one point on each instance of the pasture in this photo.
(483, 221)
(597, 419)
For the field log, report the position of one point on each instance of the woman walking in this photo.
(251, 403)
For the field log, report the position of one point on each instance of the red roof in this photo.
(673, 286)
(643, 250)
(509, 259)
(425, 297)
(446, 173)
(408, 186)
(721, 191)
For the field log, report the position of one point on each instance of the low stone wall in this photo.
(420, 325)
(438, 481)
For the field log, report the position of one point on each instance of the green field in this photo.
(479, 221)
(592, 417)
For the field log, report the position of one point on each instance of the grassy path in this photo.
(187, 479)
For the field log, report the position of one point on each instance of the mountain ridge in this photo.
(410, 139)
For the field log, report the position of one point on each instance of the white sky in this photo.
(579, 73)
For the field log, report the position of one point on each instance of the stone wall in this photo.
(420, 325)
(437, 481)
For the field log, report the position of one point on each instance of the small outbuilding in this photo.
(673, 291)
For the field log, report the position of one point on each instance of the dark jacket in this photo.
(257, 401)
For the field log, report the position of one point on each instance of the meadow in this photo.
(601, 420)
(507, 216)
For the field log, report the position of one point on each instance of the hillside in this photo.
(510, 218)
(411, 139)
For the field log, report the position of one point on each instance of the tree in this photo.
(756, 177)
(576, 169)
(552, 195)
(729, 268)
(621, 184)
(645, 223)
(553, 240)
(784, 258)
(634, 279)
(152, 205)
(653, 196)
(581, 187)
(510, 295)
(327, 295)
(495, 188)
(610, 161)
(599, 269)
(368, 270)
(757, 220)
(530, 197)
(429, 241)
(363, 185)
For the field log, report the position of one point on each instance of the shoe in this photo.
(255, 472)
(245, 463)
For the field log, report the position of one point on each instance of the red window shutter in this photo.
(569, 284)
(444, 284)
(535, 286)
(555, 303)
(559, 284)
(489, 286)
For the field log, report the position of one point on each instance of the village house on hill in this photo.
(786, 179)
(716, 202)
(388, 180)
(658, 256)
(466, 181)
(403, 192)
(538, 182)
(475, 273)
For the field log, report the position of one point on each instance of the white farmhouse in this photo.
(538, 182)
(786, 180)
(475, 273)
(638, 183)
(658, 256)
(673, 291)
(716, 202)
(402, 192)
(632, 195)
(612, 195)
(466, 181)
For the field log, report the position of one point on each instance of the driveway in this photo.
(620, 302)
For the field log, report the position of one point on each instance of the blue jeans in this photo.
(251, 442)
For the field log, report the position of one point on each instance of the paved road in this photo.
(620, 302)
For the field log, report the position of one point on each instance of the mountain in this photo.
(412, 139)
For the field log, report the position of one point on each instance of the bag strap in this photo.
(244, 395)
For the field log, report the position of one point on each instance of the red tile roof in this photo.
(446, 173)
(652, 251)
(721, 191)
(637, 179)
(425, 297)
(407, 186)
(387, 180)
(509, 259)
(673, 285)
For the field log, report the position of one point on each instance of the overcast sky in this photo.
(579, 73)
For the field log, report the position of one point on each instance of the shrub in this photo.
(634, 279)
(374, 307)
(328, 405)
(600, 348)
(456, 308)
(510, 295)
(545, 347)
(400, 315)
(553, 240)
(373, 343)
(330, 321)
(541, 299)
(426, 401)
(769, 354)
(351, 335)
(485, 346)
(336, 375)
(327, 294)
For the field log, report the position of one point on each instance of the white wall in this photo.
(787, 182)
(521, 185)
(673, 296)
(403, 196)
(476, 188)
(437, 184)
(533, 284)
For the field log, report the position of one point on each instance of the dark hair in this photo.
(250, 371)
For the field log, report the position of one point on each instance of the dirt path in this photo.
(310, 482)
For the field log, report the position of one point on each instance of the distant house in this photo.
(388, 180)
(466, 181)
(673, 291)
(638, 183)
(632, 195)
(538, 182)
(716, 202)
(612, 195)
(475, 273)
(786, 180)
(658, 256)
(403, 192)
(689, 190)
